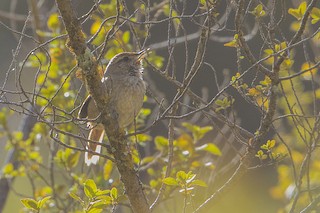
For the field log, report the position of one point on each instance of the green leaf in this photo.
(181, 176)
(18, 135)
(258, 11)
(114, 193)
(8, 169)
(73, 159)
(30, 203)
(107, 169)
(53, 21)
(202, 132)
(102, 192)
(3, 116)
(102, 203)
(94, 210)
(197, 131)
(90, 188)
(260, 154)
(299, 12)
(198, 183)
(170, 181)
(126, 37)
(315, 15)
(271, 143)
(161, 142)
(76, 197)
(211, 148)
(43, 201)
(234, 42)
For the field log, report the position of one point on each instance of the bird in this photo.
(126, 88)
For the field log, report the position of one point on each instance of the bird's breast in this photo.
(127, 97)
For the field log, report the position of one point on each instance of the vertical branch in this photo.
(26, 127)
(36, 22)
(88, 63)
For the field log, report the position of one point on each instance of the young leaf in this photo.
(198, 183)
(76, 197)
(43, 201)
(299, 12)
(53, 22)
(181, 176)
(102, 192)
(170, 181)
(73, 159)
(161, 142)
(8, 169)
(90, 188)
(261, 155)
(30, 203)
(114, 193)
(258, 11)
(233, 43)
(94, 210)
(211, 148)
(126, 37)
(102, 204)
(315, 15)
(107, 169)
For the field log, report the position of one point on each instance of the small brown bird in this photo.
(126, 88)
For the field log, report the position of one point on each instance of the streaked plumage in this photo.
(123, 79)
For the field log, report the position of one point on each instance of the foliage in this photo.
(181, 137)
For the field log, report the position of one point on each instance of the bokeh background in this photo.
(252, 194)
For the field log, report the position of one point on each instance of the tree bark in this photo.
(88, 63)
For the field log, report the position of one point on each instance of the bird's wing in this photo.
(83, 112)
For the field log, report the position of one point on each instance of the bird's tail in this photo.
(96, 134)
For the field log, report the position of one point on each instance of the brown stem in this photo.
(88, 63)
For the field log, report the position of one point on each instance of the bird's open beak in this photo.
(142, 54)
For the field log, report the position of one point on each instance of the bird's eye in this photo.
(126, 58)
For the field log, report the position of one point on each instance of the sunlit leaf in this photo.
(102, 192)
(126, 37)
(170, 181)
(107, 169)
(114, 193)
(73, 159)
(199, 183)
(315, 14)
(53, 22)
(161, 142)
(234, 42)
(102, 203)
(258, 11)
(185, 142)
(308, 66)
(253, 92)
(146, 160)
(90, 188)
(211, 148)
(8, 169)
(30, 203)
(181, 176)
(299, 12)
(76, 197)
(43, 201)
(94, 210)
(260, 154)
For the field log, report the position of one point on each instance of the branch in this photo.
(88, 63)
(26, 127)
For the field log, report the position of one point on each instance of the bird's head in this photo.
(126, 64)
